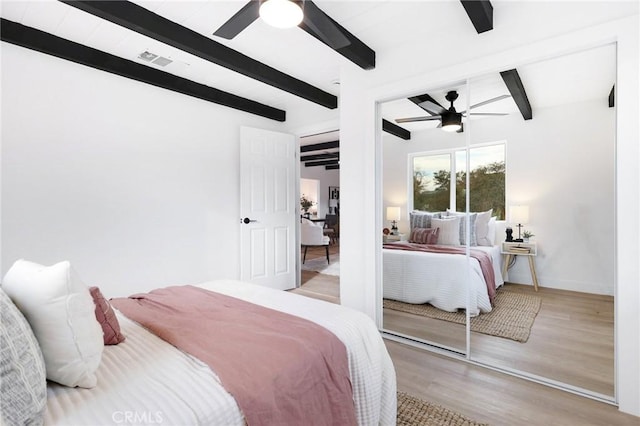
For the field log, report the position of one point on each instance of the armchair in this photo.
(312, 235)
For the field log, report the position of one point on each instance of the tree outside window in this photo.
(433, 191)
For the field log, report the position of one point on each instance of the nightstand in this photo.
(510, 249)
(394, 238)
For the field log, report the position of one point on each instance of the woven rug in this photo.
(512, 316)
(319, 264)
(416, 412)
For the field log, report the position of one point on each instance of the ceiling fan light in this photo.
(451, 122)
(281, 13)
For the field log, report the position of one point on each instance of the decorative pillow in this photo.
(23, 381)
(449, 230)
(424, 236)
(482, 228)
(491, 236)
(106, 318)
(463, 226)
(421, 219)
(62, 316)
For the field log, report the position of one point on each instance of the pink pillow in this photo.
(107, 318)
(424, 235)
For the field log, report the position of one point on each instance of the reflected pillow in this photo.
(106, 318)
(424, 236)
(482, 228)
(463, 227)
(422, 219)
(449, 230)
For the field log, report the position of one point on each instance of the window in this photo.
(432, 188)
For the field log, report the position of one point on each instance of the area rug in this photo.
(413, 411)
(511, 318)
(319, 264)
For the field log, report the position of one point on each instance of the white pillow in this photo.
(482, 229)
(491, 236)
(449, 234)
(61, 313)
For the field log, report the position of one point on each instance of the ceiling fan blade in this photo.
(323, 27)
(488, 101)
(428, 104)
(238, 22)
(413, 119)
(489, 113)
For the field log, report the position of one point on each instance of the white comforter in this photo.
(439, 279)
(144, 380)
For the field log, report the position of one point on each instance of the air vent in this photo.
(152, 57)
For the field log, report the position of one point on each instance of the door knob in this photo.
(246, 220)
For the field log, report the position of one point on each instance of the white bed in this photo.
(144, 380)
(439, 279)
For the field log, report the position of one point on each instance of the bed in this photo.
(145, 380)
(439, 279)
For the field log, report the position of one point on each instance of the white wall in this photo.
(137, 186)
(360, 273)
(561, 165)
(326, 178)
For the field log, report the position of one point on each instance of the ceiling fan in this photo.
(450, 119)
(314, 20)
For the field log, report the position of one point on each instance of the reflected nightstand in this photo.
(510, 249)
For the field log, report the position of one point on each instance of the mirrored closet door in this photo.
(536, 155)
(425, 268)
(559, 187)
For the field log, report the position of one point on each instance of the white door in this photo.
(268, 208)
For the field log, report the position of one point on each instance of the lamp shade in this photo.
(281, 13)
(519, 214)
(393, 213)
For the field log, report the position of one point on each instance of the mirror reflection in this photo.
(535, 159)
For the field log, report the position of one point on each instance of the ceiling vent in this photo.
(153, 58)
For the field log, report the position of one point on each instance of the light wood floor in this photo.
(571, 341)
(480, 393)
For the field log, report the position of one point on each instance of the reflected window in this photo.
(433, 190)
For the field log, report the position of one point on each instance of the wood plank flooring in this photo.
(486, 395)
(571, 341)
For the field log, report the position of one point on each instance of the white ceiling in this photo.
(382, 25)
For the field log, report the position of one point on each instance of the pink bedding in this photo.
(483, 258)
(281, 369)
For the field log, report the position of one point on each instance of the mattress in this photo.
(144, 380)
(439, 279)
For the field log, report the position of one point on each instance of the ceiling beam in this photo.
(31, 38)
(516, 88)
(329, 156)
(481, 14)
(138, 19)
(332, 167)
(355, 50)
(320, 146)
(612, 97)
(322, 163)
(395, 130)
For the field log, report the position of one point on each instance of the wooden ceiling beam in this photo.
(31, 38)
(138, 19)
(481, 14)
(320, 146)
(328, 156)
(518, 93)
(395, 130)
(321, 163)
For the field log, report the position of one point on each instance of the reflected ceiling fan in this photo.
(450, 119)
(301, 12)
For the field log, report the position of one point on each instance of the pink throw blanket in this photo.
(486, 265)
(281, 369)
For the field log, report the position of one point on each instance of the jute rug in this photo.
(416, 412)
(512, 316)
